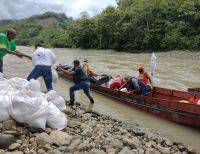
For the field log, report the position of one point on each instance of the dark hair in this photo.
(76, 61)
(37, 45)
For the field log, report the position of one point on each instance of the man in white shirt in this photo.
(43, 59)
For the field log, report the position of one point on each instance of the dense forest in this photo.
(132, 25)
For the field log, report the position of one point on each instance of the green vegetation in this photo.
(133, 25)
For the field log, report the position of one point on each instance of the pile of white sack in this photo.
(24, 101)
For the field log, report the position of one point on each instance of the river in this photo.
(170, 72)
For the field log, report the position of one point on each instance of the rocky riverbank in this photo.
(86, 133)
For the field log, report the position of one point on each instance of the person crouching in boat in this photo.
(81, 81)
(135, 86)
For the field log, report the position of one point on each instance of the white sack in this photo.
(54, 75)
(31, 111)
(5, 101)
(34, 85)
(52, 96)
(18, 83)
(6, 88)
(1, 76)
(56, 119)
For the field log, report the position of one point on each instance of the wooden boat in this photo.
(165, 103)
(194, 90)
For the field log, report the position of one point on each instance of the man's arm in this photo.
(12, 53)
(23, 55)
(65, 73)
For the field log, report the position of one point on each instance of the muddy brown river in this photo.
(170, 72)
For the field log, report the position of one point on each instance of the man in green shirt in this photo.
(8, 46)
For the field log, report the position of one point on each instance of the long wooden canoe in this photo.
(162, 102)
(194, 90)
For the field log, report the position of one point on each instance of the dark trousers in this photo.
(1, 65)
(45, 72)
(82, 85)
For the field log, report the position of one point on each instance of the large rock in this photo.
(9, 124)
(43, 139)
(55, 151)
(60, 138)
(133, 143)
(151, 151)
(116, 144)
(125, 151)
(6, 140)
(15, 152)
(96, 151)
(87, 132)
(14, 146)
(83, 147)
(2, 152)
(74, 124)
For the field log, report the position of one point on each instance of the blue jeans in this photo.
(82, 85)
(45, 72)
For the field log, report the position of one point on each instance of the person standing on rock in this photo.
(80, 79)
(8, 46)
(43, 59)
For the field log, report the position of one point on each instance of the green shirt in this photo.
(6, 45)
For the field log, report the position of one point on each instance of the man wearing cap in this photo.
(43, 59)
(80, 79)
(8, 46)
(143, 76)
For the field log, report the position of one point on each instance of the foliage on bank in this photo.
(133, 25)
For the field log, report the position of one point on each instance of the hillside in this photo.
(46, 28)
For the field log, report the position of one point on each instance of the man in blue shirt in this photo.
(80, 79)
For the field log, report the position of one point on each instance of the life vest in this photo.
(143, 87)
(144, 77)
(80, 75)
(86, 67)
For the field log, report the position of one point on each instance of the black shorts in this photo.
(1, 66)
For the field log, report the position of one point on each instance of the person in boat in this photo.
(86, 67)
(144, 76)
(43, 59)
(117, 82)
(80, 79)
(8, 46)
(135, 86)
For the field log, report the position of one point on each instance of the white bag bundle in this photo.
(6, 88)
(54, 75)
(198, 103)
(5, 101)
(56, 119)
(52, 96)
(1, 76)
(31, 111)
(18, 83)
(124, 90)
(34, 85)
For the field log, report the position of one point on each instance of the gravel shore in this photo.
(87, 132)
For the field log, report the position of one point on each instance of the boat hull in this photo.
(183, 113)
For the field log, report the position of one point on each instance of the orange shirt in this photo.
(144, 77)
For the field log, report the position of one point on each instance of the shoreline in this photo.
(87, 132)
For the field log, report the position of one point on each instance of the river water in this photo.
(170, 72)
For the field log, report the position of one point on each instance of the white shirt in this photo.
(43, 57)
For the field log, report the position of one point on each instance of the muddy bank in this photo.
(88, 133)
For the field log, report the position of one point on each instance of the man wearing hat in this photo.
(143, 76)
(80, 79)
(8, 46)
